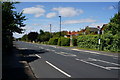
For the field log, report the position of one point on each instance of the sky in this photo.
(74, 15)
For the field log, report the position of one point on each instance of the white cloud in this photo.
(97, 24)
(36, 24)
(36, 11)
(110, 7)
(51, 15)
(78, 21)
(68, 11)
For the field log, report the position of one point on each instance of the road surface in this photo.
(48, 61)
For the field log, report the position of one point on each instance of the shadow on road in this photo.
(29, 54)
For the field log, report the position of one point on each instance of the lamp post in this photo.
(60, 30)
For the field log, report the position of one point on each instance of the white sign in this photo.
(99, 41)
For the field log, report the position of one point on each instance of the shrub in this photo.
(53, 41)
(74, 42)
(64, 41)
(88, 41)
(109, 42)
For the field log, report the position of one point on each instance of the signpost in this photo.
(99, 36)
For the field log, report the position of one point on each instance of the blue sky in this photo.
(75, 15)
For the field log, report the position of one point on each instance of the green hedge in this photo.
(88, 41)
(64, 41)
(53, 41)
(74, 42)
(109, 42)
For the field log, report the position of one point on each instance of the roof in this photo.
(91, 28)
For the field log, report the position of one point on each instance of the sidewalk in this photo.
(14, 69)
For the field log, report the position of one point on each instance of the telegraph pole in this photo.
(99, 36)
(50, 30)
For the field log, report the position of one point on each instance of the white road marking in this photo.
(104, 61)
(77, 59)
(22, 48)
(94, 52)
(48, 49)
(113, 67)
(96, 65)
(58, 69)
(53, 46)
(65, 54)
(53, 50)
(38, 56)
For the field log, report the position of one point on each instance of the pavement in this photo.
(48, 61)
(15, 69)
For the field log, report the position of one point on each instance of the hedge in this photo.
(64, 41)
(53, 41)
(88, 41)
(109, 42)
(74, 42)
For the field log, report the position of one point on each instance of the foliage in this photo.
(24, 37)
(32, 36)
(43, 36)
(109, 42)
(74, 42)
(64, 41)
(57, 34)
(114, 25)
(88, 41)
(53, 41)
(12, 21)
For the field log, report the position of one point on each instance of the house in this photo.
(103, 28)
(73, 33)
(91, 30)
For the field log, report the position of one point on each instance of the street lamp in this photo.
(60, 30)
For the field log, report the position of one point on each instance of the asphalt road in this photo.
(58, 62)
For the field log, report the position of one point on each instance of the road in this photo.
(48, 61)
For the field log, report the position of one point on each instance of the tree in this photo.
(114, 25)
(12, 21)
(32, 36)
(24, 37)
(43, 36)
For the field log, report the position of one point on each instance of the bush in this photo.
(88, 41)
(53, 41)
(74, 42)
(64, 41)
(109, 42)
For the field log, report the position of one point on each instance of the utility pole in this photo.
(99, 36)
(60, 30)
(50, 30)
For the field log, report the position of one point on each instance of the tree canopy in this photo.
(12, 21)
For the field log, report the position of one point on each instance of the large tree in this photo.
(12, 21)
(114, 25)
(32, 36)
(44, 36)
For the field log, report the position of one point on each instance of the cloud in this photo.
(78, 21)
(97, 24)
(110, 7)
(51, 15)
(68, 11)
(36, 24)
(36, 11)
